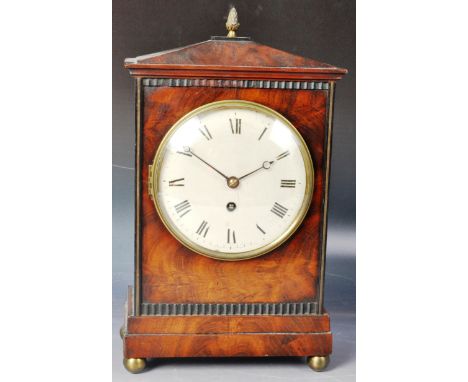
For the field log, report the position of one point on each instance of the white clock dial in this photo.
(232, 180)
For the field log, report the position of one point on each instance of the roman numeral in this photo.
(279, 210)
(203, 229)
(176, 182)
(236, 129)
(183, 208)
(289, 183)
(263, 132)
(260, 229)
(206, 133)
(283, 155)
(231, 236)
(184, 153)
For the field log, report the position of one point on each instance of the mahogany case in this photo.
(184, 304)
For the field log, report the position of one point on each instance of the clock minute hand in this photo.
(189, 150)
(266, 165)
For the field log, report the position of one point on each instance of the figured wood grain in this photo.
(231, 59)
(226, 345)
(171, 273)
(227, 324)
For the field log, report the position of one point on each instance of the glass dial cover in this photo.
(232, 180)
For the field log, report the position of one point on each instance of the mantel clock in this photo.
(233, 146)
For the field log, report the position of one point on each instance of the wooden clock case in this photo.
(187, 305)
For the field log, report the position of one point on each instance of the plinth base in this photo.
(227, 336)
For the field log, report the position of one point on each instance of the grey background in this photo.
(323, 30)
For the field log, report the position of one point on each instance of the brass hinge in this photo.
(150, 181)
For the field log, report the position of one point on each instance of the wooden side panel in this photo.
(227, 345)
(227, 324)
(172, 273)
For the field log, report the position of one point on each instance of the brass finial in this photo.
(232, 23)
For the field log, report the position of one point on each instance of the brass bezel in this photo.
(227, 256)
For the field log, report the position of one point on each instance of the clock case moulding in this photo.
(187, 305)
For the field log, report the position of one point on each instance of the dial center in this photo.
(233, 182)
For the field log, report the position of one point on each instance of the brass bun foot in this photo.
(134, 365)
(122, 332)
(318, 362)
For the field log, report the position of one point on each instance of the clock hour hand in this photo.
(266, 165)
(189, 150)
